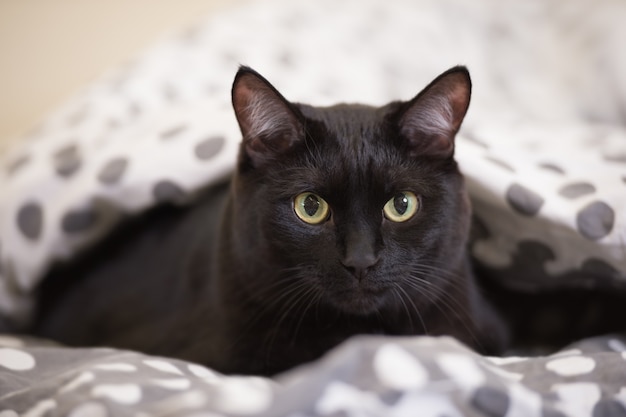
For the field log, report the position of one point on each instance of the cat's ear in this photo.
(431, 120)
(267, 121)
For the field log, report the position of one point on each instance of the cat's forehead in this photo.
(357, 131)
(346, 118)
(351, 147)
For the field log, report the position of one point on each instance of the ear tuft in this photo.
(431, 120)
(267, 121)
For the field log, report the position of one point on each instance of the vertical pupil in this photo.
(311, 205)
(401, 203)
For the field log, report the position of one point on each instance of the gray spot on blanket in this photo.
(523, 200)
(167, 191)
(548, 166)
(491, 402)
(609, 408)
(210, 147)
(30, 220)
(79, 220)
(595, 220)
(616, 157)
(173, 132)
(67, 160)
(577, 189)
(500, 163)
(113, 170)
(17, 164)
(548, 412)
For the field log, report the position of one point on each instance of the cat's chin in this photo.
(358, 302)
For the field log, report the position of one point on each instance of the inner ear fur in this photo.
(431, 120)
(268, 122)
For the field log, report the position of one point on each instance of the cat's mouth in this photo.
(361, 299)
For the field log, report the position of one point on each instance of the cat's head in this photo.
(350, 205)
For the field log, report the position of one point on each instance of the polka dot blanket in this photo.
(367, 376)
(543, 149)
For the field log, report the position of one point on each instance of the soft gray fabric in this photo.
(366, 376)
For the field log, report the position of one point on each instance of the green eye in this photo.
(401, 207)
(310, 208)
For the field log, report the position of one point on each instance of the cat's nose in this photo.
(359, 264)
(360, 251)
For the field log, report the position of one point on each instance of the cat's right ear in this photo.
(267, 121)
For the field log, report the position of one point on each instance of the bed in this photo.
(545, 164)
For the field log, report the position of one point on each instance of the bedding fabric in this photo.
(367, 376)
(543, 149)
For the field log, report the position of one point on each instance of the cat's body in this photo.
(338, 221)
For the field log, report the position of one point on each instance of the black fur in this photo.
(238, 282)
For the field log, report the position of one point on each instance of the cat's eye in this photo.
(401, 207)
(311, 208)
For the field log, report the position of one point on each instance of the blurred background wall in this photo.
(50, 49)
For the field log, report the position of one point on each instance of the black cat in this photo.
(338, 221)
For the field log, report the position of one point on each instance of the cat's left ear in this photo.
(268, 122)
(431, 120)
